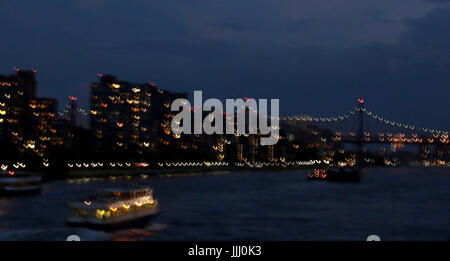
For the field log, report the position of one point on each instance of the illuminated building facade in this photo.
(44, 122)
(130, 117)
(15, 92)
(26, 121)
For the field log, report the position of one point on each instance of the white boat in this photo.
(19, 183)
(114, 208)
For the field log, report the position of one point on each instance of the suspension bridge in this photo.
(362, 125)
(359, 125)
(71, 112)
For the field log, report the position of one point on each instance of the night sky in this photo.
(317, 57)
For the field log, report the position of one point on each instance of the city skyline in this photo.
(62, 101)
(133, 121)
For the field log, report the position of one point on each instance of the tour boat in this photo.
(114, 208)
(337, 175)
(18, 183)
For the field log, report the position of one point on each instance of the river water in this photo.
(395, 204)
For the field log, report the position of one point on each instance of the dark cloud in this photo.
(316, 56)
(438, 1)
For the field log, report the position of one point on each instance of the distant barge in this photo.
(354, 175)
(18, 183)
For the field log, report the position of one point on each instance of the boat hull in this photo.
(132, 223)
(352, 176)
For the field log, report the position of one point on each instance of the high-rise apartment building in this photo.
(129, 116)
(26, 121)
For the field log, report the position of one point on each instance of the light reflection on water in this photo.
(137, 234)
(397, 204)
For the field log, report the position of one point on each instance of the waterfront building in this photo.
(130, 117)
(27, 123)
(43, 121)
(15, 92)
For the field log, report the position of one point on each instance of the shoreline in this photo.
(157, 172)
(169, 171)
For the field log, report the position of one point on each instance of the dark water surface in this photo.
(396, 204)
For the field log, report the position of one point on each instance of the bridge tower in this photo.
(360, 143)
(424, 149)
(73, 107)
